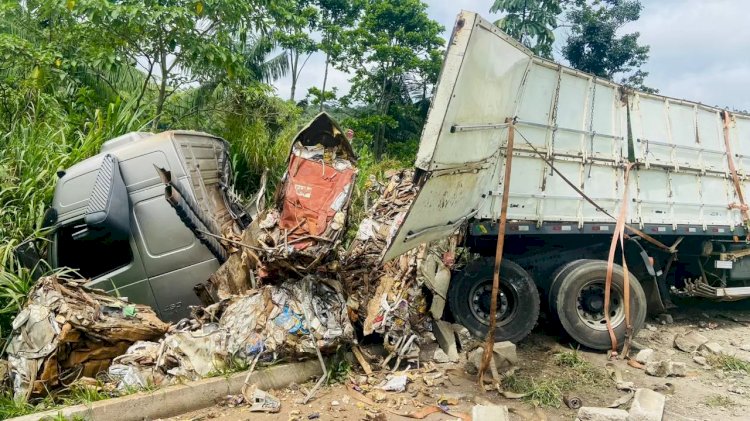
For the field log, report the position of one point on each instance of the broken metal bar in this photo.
(488, 357)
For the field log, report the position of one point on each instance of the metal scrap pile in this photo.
(269, 305)
(390, 298)
(307, 222)
(68, 331)
(312, 204)
(289, 321)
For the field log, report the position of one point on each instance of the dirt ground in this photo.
(550, 369)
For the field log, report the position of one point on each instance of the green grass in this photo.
(719, 401)
(576, 374)
(76, 395)
(86, 394)
(729, 363)
(338, 368)
(10, 407)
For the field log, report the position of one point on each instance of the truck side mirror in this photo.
(108, 212)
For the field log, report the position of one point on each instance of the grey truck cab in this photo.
(114, 226)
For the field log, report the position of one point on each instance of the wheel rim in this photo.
(590, 305)
(480, 297)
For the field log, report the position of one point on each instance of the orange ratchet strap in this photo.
(617, 236)
(742, 206)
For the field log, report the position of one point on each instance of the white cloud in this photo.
(698, 49)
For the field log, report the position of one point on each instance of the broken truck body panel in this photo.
(161, 260)
(681, 184)
(575, 135)
(311, 205)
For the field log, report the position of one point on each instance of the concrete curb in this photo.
(179, 399)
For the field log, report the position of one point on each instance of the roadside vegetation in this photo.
(729, 363)
(572, 372)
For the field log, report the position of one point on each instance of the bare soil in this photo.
(706, 393)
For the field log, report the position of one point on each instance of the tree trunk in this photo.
(325, 80)
(295, 65)
(162, 92)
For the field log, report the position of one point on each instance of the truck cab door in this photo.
(461, 147)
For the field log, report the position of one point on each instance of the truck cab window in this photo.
(91, 258)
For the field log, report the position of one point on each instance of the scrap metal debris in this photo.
(311, 205)
(261, 401)
(307, 221)
(67, 331)
(389, 298)
(281, 294)
(294, 320)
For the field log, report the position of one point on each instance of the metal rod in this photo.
(487, 358)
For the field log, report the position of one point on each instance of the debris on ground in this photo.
(395, 384)
(490, 412)
(643, 356)
(588, 413)
(504, 355)
(67, 331)
(291, 321)
(647, 406)
(261, 401)
(666, 368)
(710, 348)
(390, 298)
(136, 369)
(446, 338)
(689, 342)
(572, 402)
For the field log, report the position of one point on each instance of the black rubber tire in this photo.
(564, 302)
(557, 275)
(516, 280)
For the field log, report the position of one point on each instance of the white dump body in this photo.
(582, 124)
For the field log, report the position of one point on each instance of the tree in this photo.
(595, 47)
(46, 53)
(336, 18)
(293, 33)
(531, 22)
(177, 42)
(393, 50)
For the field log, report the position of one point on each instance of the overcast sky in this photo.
(700, 49)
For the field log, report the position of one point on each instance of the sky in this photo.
(700, 49)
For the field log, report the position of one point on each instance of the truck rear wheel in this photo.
(577, 300)
(517, 304)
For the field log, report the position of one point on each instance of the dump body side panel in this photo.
(589, 128)
(460, 161)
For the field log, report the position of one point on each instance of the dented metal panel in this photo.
(464, 130)
(588, 127)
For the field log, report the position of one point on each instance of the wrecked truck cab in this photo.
(153, 218)
(152, 257)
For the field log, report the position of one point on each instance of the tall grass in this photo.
(32, 151)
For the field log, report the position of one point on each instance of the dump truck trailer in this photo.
(575, 136)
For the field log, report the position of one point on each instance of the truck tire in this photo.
(518, 303)
(577, 301)
(558, 274)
